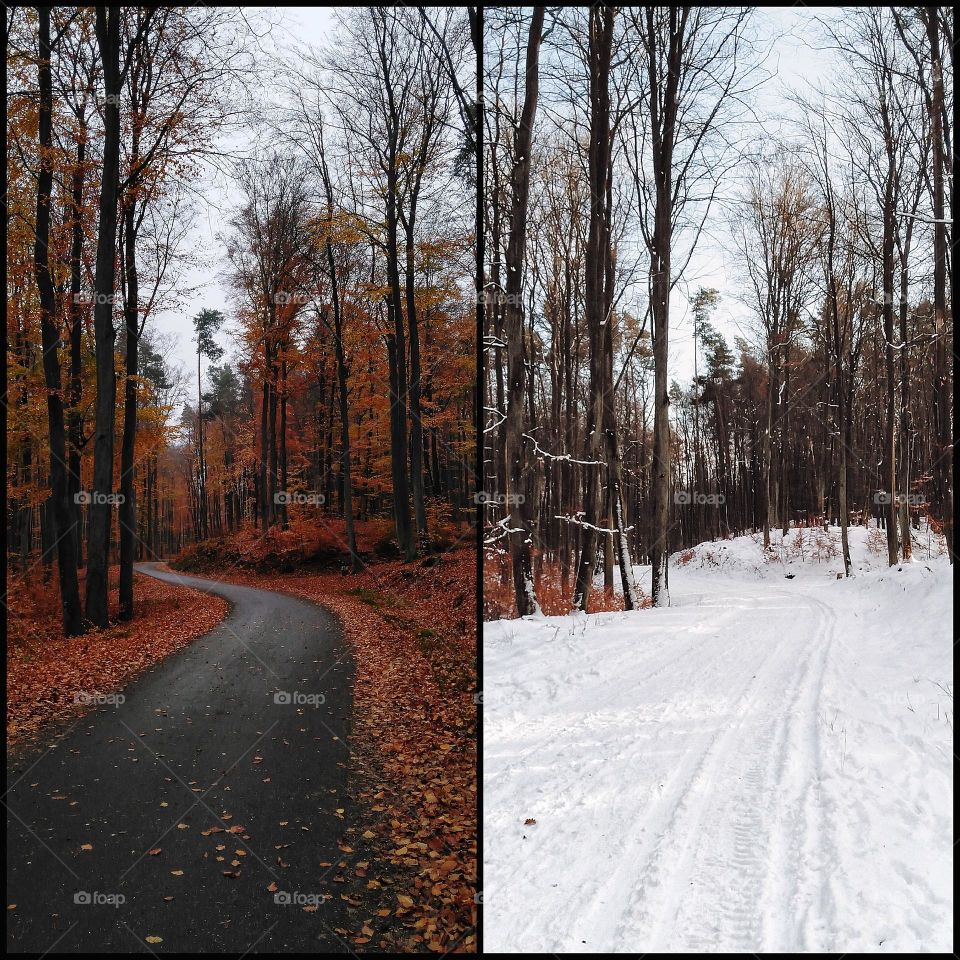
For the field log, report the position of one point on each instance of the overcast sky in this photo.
(293, 25)
(793, 61)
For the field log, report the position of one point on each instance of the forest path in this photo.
(244, 730)
(756, 768)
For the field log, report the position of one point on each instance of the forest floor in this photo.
(764, 766)
(409, 878)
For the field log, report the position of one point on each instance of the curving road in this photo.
(246, 727)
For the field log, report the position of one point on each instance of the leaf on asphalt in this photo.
(411, 629)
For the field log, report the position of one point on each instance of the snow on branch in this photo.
(540, 452)
(499, 413)
(504, 531)
(577, 519)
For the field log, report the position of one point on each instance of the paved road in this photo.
(246, 727)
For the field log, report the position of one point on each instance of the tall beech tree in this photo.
(64, 524)
(515, 445)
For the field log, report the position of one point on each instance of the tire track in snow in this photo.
(643, 889)
(719, 833)
(581, 874)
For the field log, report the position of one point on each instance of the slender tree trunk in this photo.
(272, 441)
(515, 453)
(63, 524)
(662, 125)
(398, 459)
(906, 544)
(127, 513)
(100, 511)
(344, 414)
(262, 493)
(416, 387)
(943, 464)
(890, 444)
(284, 518)
(201, 460)
(76, 345)
(401, 489)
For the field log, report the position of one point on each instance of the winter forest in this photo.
(718, 451)
(622, 149)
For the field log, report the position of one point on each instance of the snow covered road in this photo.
(764, 766)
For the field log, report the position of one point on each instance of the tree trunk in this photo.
(127, 513)
(662, 125)
(401, 490)
(890, 444)
(63, 524)
(344, 415)
(76, 345)
(416, 387)
(943, 464)
(515, 448)
(100, 511)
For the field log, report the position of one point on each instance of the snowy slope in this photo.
(766, 765)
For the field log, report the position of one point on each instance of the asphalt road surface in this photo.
(247, 727)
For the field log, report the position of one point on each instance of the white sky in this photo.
(294, 25)
(793, 61)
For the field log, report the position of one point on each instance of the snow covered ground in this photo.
(765, 766)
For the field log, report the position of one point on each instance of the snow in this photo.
(766, 765)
